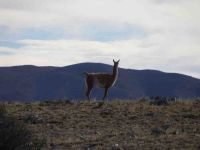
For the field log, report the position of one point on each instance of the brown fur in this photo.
(101, 80)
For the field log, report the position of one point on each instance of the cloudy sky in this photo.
(143, 34)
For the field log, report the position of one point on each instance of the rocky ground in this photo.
(112, 125)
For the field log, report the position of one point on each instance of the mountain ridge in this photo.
(29, 83)
(86, 63)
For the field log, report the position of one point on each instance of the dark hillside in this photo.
(28, 83)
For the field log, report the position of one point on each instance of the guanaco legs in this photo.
(102, 80)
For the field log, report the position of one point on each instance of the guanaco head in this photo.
(116, 63)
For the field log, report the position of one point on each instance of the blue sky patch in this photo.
(111, 32)
(92, 31)
(10, 44)
(4, 53)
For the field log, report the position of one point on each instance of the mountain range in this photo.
(30, 83)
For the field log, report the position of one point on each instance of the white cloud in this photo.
(171, 43)
(145, 13)
(131, 53)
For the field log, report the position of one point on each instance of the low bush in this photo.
(14, 134)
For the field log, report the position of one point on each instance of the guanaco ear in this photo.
(114, 61)
(118, 61)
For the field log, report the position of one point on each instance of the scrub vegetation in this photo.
(118, 124)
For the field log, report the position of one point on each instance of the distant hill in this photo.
(28, 83)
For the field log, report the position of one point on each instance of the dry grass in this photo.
(112, 125)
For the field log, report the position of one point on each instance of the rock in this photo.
(165, 127)
(133, 117)
(89, 146)
(157, 131)
(150, 114)
(68, 102)
(32, 119)
(172, 99)
(106, 112)
(144, 99)
(172, 131)
(159, 101)
(116, 147)
(98, 105)
(191, 116)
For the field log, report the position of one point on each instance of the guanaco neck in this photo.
(115, 71)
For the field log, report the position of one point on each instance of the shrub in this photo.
(14, 134)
